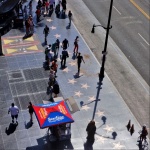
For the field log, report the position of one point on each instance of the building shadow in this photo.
(44, 143)
(12, 127)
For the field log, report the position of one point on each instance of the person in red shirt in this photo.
(38, 14)
(47, 7)
(54, 66)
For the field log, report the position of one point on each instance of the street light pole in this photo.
(104, 52)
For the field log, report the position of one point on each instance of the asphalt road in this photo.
(130, 21)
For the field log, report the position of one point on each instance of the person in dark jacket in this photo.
(56, 88)
(91, 129)
(63, 58)
(31, 110)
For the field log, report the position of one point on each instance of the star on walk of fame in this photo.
(92, 98)
(108, 128)
(85, 107)
(100, 139)
(118, 146)
(57, 35)
(71, 81)
(100, 113)
(78, 93)
(66, 70)
(73, 63)
(49, 20)
(53, 28)
(85, 86)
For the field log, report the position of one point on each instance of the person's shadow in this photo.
(12, 127)
(28, 124)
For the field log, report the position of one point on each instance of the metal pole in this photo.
(101, 75)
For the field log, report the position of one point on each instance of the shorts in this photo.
(14, 116)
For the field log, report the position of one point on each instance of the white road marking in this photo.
(143, 39)
(143, 45)
(117, 10)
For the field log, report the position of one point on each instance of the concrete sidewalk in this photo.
(22, 79)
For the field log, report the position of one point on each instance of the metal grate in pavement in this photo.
(41, 84)
(37, 73)
(28, 74)
(21, 88)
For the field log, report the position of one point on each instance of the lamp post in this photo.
(104, 52)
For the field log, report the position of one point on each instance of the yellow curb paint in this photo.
(140, 9)
(29, 39)
(9, 51)
(32, 48)
(8, 41)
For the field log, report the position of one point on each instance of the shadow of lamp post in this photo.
(104, 52)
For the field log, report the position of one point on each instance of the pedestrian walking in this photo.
(31, 24)
(65, 44)
(144, 133)
(52, 4)
(38, 14)
(63, 3)
(31, 110)
(51, 77)
(57, 10)
(69, 17)
(79, 60)
(27, 26)
(63, 58)
(46, 32)
(14, 111)
(91, 129)
(76, 47)
(25, 12)
(54, 49)
(57, 46)
(39, 3)
(55, 89)
(30, 7)
(47, 7)
(54, 66)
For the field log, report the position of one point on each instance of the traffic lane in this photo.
(124, 10)
(142, 6)
(124, 23)
(131, 33)
(133, 50)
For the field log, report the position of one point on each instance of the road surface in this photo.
(130, 21)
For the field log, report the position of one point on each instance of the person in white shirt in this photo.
(14, 111)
